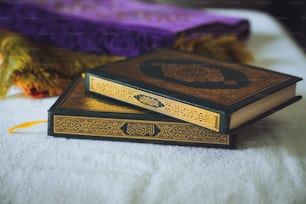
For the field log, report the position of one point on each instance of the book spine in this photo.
(160, 104)
(162, 132)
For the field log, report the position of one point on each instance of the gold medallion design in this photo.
(140, 129)
(191, 73)
(258, 79)
(147, 100)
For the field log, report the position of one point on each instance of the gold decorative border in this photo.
(186, 112)
(146, 130)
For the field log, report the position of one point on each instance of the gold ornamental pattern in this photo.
(260, 79)
(135, 129)
(76, 99)
(186, 112)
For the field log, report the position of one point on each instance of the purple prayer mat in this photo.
(118, 27)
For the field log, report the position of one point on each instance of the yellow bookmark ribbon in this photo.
(26, 125)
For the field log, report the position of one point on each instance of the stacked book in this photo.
(170, 97)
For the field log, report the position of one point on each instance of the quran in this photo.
(85, 116)
(218, 95)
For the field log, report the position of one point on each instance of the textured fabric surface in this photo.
(267, 167)
(125, 28)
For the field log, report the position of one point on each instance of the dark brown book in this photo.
(221, 96)
(86, 116)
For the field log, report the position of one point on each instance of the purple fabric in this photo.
(118, 27)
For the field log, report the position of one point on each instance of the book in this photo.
(79, 115)
(114, 27)
(221, 96)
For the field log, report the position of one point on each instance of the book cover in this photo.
(114, 27)
(221, 96)
(79, 115)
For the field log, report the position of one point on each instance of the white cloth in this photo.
(267, 167)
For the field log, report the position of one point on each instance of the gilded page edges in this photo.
(186, 112)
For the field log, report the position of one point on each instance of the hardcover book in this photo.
(221, 96)
(79, 115)
(114, 27)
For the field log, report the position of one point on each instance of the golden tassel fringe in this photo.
(42, 70)
(226, 47)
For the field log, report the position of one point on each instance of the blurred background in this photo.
(291, 13)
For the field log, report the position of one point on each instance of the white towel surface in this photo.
(269, 165)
